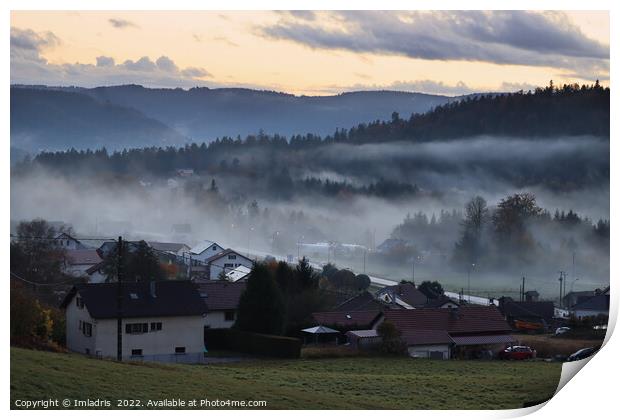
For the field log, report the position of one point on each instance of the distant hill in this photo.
(54, 119)
(203, 114)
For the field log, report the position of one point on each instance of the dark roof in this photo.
(221, 295)
(408, 293)
(346, 318)
(223, 253)
(362, 302)
(420, 337)
(595, 303)
(171, 298)
(167, 246)
(513, 309)
(464, 320)
(440, 301)
(82, 256)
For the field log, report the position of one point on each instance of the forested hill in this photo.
(41, 115)
(570, 110)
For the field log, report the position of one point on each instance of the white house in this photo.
(222, 300)
(66, 241)
(204, 250)
(175, 248)
(162, 321)
(226, 261)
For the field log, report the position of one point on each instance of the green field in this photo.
(336, 383)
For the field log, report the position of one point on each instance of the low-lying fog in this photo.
(565, 174)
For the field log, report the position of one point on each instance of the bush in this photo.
(252, 343)
(330, 352)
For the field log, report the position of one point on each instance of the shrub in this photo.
(252, 343)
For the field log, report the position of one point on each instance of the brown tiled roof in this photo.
(82, 256)
(346, 318)
(221, 295)
(420, 337)
(465, 320)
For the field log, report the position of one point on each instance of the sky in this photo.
(312, 52)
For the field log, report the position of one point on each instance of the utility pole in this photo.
(523, 289)
(561, 280)
(119, 301)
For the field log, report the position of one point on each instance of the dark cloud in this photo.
(121, 23)
(502, 37)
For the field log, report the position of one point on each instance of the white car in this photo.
(562, 330)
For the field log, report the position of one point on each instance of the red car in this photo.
(517, 353)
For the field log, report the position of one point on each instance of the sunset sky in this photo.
(312, 53)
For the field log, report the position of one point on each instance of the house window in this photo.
(214, 248)
(137, 328)
(179, 350)
(136, 352)
(87, 351)
(227, 265)
(229, 315)
(79, 302)
(232, 257)
(87, 329)
(155, 326)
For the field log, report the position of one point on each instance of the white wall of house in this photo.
(228, 262)
(424, 351)
(76, 340)
(207, 253)
(186, 331)
(67, 242)
(218, 319)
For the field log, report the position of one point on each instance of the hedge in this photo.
(252, 343)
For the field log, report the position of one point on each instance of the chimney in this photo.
(152, 289)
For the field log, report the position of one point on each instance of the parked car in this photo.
(582, 354)
(517, 353)
(562, 330)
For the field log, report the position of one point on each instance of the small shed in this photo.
(363, 339)
(320, 334)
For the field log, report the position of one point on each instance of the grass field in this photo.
(340, 383)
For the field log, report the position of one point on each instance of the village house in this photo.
(405, 295)
(203, 251)
(528, 315)
(222, 301)
(344, 321)
(174, 248)
(468, 331)
(597, 305)
(68, 242)
(226, 261)
(79, 261)
(162, 321)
